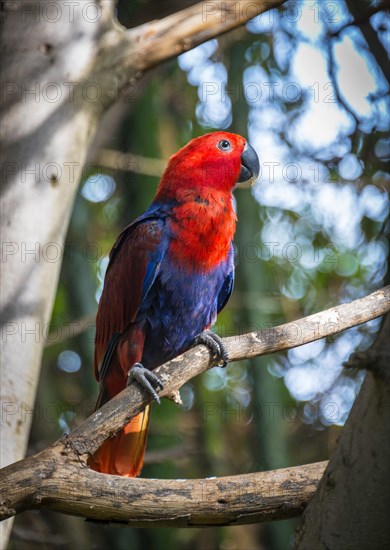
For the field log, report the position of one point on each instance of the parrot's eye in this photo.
(224, 145)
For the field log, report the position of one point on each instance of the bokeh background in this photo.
(306, 84)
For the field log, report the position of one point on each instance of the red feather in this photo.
(206, 222)
(197, 184)
(123, 285)
(118, 306)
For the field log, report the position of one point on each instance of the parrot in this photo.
(170, 273)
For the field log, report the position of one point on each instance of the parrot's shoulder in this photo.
(147, 230)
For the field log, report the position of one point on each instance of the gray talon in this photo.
(215, 344)
(146, 379)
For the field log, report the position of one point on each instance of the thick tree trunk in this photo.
(45, 135)
(351, 506)
(47, 51)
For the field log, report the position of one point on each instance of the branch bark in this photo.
(55, 55)
(49, 119)
(106, 422)
(66, 486)
(350, 509)
(132, 52)
(59, 479)
(40, 179)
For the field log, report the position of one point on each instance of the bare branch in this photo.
(182, 31)
(127, 54)
(332, 73)
(58, 477)
(89, 436)
(49, 480)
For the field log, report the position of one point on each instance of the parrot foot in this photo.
(215, 345)
(146, 379)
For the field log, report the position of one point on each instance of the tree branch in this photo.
(59, 479)
(53, 134)
(126, 54)
(375, 45)
(88, 437)
(182, 31)
(60, 483)
(332, 73)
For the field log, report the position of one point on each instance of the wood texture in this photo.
(117, 412)
(64, 65)
(182, 31)
(351, 507)
(58, 478)
(63, 485)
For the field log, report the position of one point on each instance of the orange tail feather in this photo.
(124, 453)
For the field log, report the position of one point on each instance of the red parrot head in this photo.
(217, 161)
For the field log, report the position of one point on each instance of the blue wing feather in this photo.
(226, 290)
(228, 283)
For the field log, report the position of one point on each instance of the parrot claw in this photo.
(215, 345)
(146, 379)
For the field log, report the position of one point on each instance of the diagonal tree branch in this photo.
(126, 54)
(182, 31)
(59, 479)
(117, 412)
(71, 53)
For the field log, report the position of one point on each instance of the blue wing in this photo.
(228, 283)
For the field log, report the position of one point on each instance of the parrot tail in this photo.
(123, 454)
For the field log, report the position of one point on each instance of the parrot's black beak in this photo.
(250, 166)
